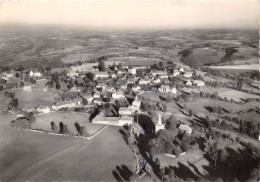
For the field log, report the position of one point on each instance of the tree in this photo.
(176, 151)
(83, 131)
(168, 147)
(17, 75)
(161, 64)
(33, 81)
(61, 125)
(157, 163)
(15, 103)
(31, 117)
(237, 139)
(171, 175)
(1, 87)
(7, 68)
(89, 76)
(101, 66)
(65, 130)
(58, 86)
(54, 127)
(222, 155)
(22, 84)
(190, 113)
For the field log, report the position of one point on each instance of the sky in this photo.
(134, 14)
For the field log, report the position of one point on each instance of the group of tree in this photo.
(24, 122)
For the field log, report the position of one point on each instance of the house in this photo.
(132, 71)
(188, 83)
(145, 81)
(75, 89)
(101, 85)
(187, 74)
(175, 73)
(98, 101)
(96, 95)
(113, 75)
(43, 109)
(167, 89)
(135, 105)
(157, 81)
(198, 83)
(7, 76)
(163, 76)
(125, 120)
(185, 128)
(27, 88)
(159, 125)
(110, 89)
(72, 74)
(66, 104)
(125, 111)
(35, 74)
(136, 88)
(157, 73)
(181, 70)
(118, 95)
(99, 74)
(89, 98)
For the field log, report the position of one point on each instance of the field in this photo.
(38, 156)
(205, 105)
(36, 97)
(43, 122)
(237, 67)
(223, 92)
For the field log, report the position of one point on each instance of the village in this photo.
(149, 102)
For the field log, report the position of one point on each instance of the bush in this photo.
(23, 123)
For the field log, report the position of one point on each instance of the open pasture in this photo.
(43, 157)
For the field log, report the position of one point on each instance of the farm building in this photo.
(115, 121)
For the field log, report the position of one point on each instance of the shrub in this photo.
(23, 123)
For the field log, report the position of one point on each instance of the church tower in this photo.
(159, 125)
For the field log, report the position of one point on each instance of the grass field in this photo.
(43, 122)
(200, 104)
(36, 97)
(39, 156)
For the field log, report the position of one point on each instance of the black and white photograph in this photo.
(129, 90)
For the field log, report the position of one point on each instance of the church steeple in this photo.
(159, 119)
(159, 125)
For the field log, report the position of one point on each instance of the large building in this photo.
(116, 121)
